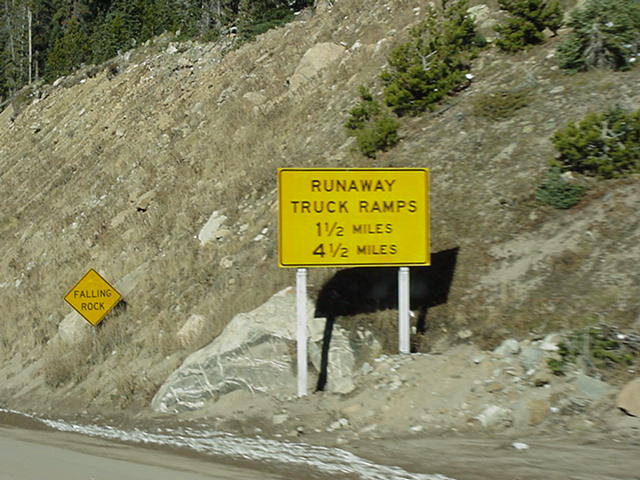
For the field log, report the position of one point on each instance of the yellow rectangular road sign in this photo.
(92, 297)
(353, 217)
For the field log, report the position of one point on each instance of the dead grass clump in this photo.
(133, 387)
(502, 104)
(65, 362)
(160, 339)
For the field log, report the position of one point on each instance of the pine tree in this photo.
(433, 63)
(14, 27)
(527, 22)
(68, 52)
(606, 34)
(258, 16)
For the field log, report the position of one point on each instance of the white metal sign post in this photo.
(403, 309)
(301, 334)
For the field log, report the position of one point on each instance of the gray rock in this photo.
(280, 418)
(338, 424)
(366, 368)
(255, 98)
(592, 387)
(507, 347)
(542, 377)
(341, 364)
(73, 328)
(209, 231)
(495, 417)
(316, 59)
(191, 329)
(226, 262)
(531, 356)
(128, 283)
(478, 359)
(629, 398)
(551, 342)
(494, 387)
(483, 17)
(464, 334)
(479, 12)
(345, 355)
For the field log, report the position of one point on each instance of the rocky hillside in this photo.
(121, 167)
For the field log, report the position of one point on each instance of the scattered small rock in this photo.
(280, 418)
(507, 347)
(541, 377)
(531, 356)
(465, 334)
(551, 342)
(494, 416)
(366, 368)
(226, 262)
(338, 424)
(493, 387)
(209, 231)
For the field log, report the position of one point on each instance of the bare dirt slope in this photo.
(118, 169)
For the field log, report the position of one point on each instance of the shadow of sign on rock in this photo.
(359, 290)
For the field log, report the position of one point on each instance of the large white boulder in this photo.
(257, 352)
(316, 59)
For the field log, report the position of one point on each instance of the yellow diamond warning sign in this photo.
(93, 297)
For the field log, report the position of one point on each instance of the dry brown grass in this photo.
(64, 363)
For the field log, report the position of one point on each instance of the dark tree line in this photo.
(49, 38)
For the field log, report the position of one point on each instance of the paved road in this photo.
(49, 455)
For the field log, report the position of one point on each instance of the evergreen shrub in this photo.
(600, 349)
(373, 126)
(558, 192)
(606, 34)
(602, 144)
(527, 22)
